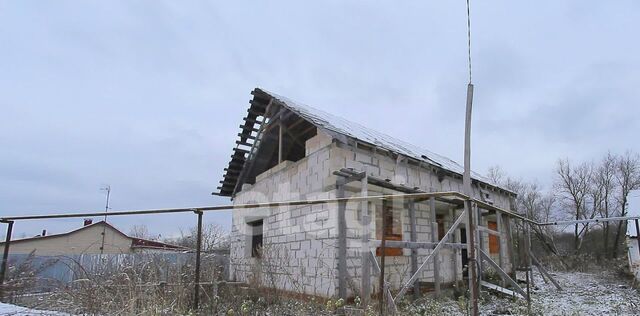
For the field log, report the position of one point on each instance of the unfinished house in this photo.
(288, 151)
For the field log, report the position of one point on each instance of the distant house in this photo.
(88, 240)
(290, 151)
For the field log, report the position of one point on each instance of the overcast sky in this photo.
(147, 96)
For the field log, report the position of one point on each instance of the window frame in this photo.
(494, 241)
(257, 239)
(387, 213)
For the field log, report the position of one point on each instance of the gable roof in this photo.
(338, 128)
(100, 223)
(135, 242)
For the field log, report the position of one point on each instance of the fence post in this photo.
(5, 256)
(638, 233)
(383, 250)
(196, 298)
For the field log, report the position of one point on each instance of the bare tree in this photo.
(540, 207)
(603, 190)
(496, 175)
(139, 231)
(628, 178)
(573, 186)
(214, 237)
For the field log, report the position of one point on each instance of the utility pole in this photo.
(466, 183)
(471, 227)
(106, 210)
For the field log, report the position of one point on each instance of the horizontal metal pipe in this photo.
(228, 207)
(592, 220)
(426, 195)
(415, 244)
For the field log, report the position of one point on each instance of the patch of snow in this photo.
(602, 293)
(13, 310)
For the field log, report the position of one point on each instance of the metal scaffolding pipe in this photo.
(5, 256)
(229, 207)
(196, 295)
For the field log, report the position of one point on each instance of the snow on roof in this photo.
(339, 127)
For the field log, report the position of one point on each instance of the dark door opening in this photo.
(463, 254)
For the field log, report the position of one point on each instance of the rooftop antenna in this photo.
(106, 209)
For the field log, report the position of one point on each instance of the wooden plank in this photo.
(255, 112)
(479, 237)
(247, 128)
(527, 245)
(500, 239)
(241, 143)
(544, 272)
(342, 243)
(456, 252)
(510, 247)
(416, 245)
(489, 231)
(296, 123)
(377, 270)
(414, 277)
(259, 104)
(504, 275)
(280, 141)
(366, 236)
(414, 252)
(252, 120)
(246, 136)
(240, 150)
(434, 236)
(383, 253)
(500, 289)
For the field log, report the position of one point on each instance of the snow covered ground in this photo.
(13, 310)
(590, 294)
(603, 293)
(634, 257)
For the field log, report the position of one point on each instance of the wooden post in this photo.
(456, 251)
(366, 236)
(196, 298)
(414, 252)
(342, 242)
(480, 239)
(5, 256)
(510, 248)
(280, 140)
(382, 259)
(638, 233)
(434, 238)
(500, 242)
(466, 181)
(500, 238)
(527, 251)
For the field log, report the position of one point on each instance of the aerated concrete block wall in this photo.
(398, 171)
(300, 243)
